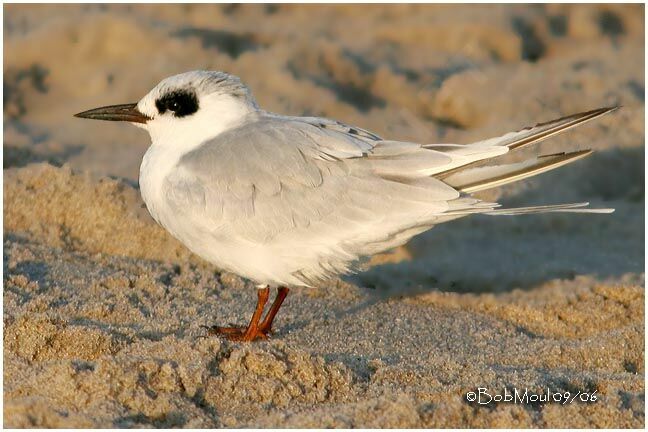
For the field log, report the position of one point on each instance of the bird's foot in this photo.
(257, 329)
(244, 334)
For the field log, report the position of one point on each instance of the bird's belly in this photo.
(264, 263)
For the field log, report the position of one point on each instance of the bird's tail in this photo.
(468, 178)
(555, 208)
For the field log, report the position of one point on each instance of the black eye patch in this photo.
(180, 102)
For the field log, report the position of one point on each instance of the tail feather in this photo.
(477, 179)
(556, 208)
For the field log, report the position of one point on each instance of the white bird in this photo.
(290, 201)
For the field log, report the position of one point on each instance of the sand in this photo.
(103, 309)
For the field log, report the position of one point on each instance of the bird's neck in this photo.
(173, 138)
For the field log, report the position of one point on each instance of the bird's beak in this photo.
(124, 112)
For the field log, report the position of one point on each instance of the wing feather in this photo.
(470, 154)
(542, 131)
(473, 180)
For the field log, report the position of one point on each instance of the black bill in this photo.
(124, 112)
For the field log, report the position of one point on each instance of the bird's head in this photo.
(192, 106)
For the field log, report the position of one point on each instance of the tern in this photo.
(292, 201)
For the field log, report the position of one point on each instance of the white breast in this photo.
(156, 165)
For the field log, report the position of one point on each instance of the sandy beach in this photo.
(103, 309)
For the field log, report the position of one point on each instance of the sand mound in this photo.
(72, 211)
(103, 309)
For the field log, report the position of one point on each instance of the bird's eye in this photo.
(181, 103)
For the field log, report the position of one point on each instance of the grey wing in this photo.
(278, 181)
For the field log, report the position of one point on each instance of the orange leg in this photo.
(254, 330)
(266, 325)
